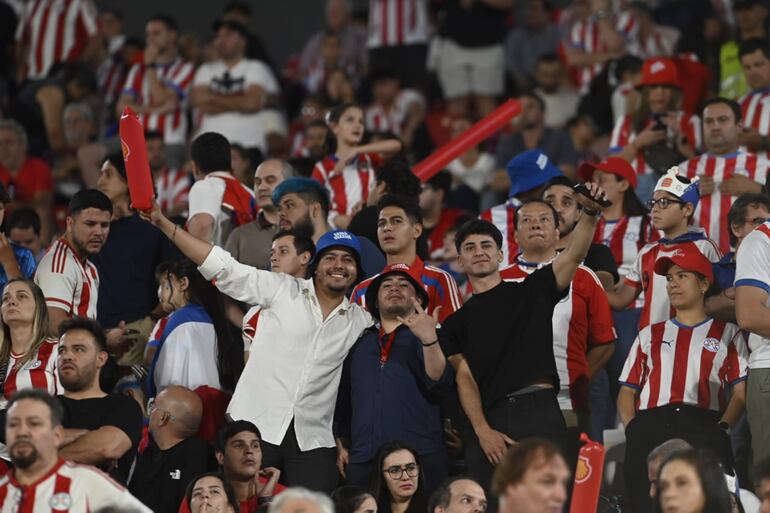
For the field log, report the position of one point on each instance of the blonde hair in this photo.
(40, 326)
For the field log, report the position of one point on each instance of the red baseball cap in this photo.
(659, 71)
(688, 258)
(615, 165)
(406, 271)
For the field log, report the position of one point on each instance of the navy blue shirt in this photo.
(724, 271)
(126, 264)
(395, 401)
(372, 259)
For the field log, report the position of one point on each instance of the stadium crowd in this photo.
(300, 323)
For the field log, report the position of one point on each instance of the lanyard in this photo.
(385, 349)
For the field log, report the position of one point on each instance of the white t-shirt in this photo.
(241, 128)
(753, 270)
(478, 175)
(206, 198)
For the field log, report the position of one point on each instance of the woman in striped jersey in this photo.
(27, 352)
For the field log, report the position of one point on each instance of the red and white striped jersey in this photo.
(581, 321)
(379, 119)
(660, 43)
(657, 307)
(67, 488)
(755, 108)
(68, 282)
(502, 216)
(39, 372)
(249, 327)
(711, 213)
(440, 286)
(349, 187)
(671, 363)
(398, 22)
(623, 134)
(111, 73)
(172, 186)
(753, 270)
(177, 75)
(54, 31)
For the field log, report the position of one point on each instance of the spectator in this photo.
(657, 134)
(659, 400)
(348, 170)
(531, 477)
(532, 133)
(658, 455)
(303, 206)
(458, 495)
(24, 339)
(628, 72)
(15, 261)
(470, 60)
(471, 172)
(250, 243)
(437, 216)
(508, 318)
(175, 455)
(396, 110)
(399, 226)
(241, 12)
(310, 111)
(37, 466)
(528, 173)
(529, 41)
(700, 485)
(126, 266)
(111, 73)
(156, 88)
(79, 162)
(231, 91)
(241, 164)
(561, 102)
(100, 428)
(755, 61)
(218, 201)
(329, 58)
(352, 499)
(403, 353)
(762, 483)
(338, 88)
(314, 136)
(398, 481)
(301, 499)
(584, 133)
(27, 179)
(68, 278)
(172, 185)
(751, 19)
(24, 230)
(647, 39)
(209, 492)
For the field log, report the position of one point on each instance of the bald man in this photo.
(175, 455)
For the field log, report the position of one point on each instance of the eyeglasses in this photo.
(151, 407)
(756, 221)
(663, 203)
(395, 472)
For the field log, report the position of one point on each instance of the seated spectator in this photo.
(15, 261)
(396, 110)
(175, 455)
(750, 24)
(437, 218)
(27, 350)
(27, 179)
(398, 480)
(338, 88)
(348, 171)
(532, 476)
(648, 39)
(241, 164)
(23, 227)
(755, 66)
(584, 132)
(100, 428)
(69, 280)
(458, 495)
(172, 185)
(658, 455)
(163, 311)
(76, 162)
(628, 71)
(529, 41)
(762, 483)
(691, 481)
(211, 492)
(312, 141)
(310, 111)
(471, 172)
(560, 100)
(242, 13)
(111, 71)
(301, 499)
(330, 57)
(352, 499)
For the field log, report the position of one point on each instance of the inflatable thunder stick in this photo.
(135, 156)
(588, 476)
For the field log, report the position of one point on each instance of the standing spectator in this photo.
(25, 339)
(348, 172)
(528, 42)
(27, 179)
(458, 495)
(24, 230)
(677, 374)
(231, 91)
(755, 61)
(172, 185)
(100, 428)
(156, 88)
(560, 100)
(396, 110)
(38, 467)
(402, 366)
(437, 217)
(751, 21)
(471, 61)
(15, 261)
(218, 201)
(398, 480)
(175, 454)
(69, 280)
(725, 171)
(250, 243)
(398, 38)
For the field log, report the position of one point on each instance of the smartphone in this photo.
(658, 118)
(582, 189)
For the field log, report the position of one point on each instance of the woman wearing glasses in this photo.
(398, 486)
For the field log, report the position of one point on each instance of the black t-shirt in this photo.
(115, 410)
(160, 478)
(506, 335)
(599, 258)
(480, 25)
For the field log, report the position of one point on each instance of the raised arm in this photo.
(192, 247)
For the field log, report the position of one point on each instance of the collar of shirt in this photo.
(692, 235)
(74, 252)
(54, 469)
(262, 221)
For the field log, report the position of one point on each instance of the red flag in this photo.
(134, 149)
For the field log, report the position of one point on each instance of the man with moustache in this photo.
(393, 381)
(41, 481)
(100, 429)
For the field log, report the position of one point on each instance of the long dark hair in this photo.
(333, 116)
(379, 488)
(633, 207)
(202, 292)
(710, 475)
(232, 499)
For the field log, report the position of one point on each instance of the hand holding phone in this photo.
(582, 189)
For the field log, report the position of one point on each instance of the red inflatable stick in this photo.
(588, 476)
(493, 122)
(135, 156)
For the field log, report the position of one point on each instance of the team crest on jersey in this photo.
(61, 501)
(32, 365)
(711, 344)
(632, 237)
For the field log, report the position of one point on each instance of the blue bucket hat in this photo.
(529, 170)
(337, 239)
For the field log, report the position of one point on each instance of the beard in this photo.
(394, 311)
(81, 247)
(78, 380)
(24, 460)
(304, 226)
